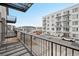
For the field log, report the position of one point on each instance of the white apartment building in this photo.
(63, 23)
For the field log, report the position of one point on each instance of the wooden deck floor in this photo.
(13, 48)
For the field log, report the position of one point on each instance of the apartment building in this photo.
(63, 23)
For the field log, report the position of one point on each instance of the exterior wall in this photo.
(3, 11)
(3, 14)
(63, 22)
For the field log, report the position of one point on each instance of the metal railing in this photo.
(42, 46)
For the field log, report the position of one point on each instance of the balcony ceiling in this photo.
(18, 6)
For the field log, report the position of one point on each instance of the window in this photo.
(48, 33)
(66, 29)
(47, 17)
(75, 23)
(75, 35)
(44, 24)
(47, 28)
(74, 16)
(58, 29)
(52, 28)
(59, 14)
(75, 10)
(48, 25)
(44, 20)
(66, 18)
(65, 23)
(75, 29)
(66, 12)
(44, 28)
(52, 16)
(58, 23)
(52, 24)
(47, 21)
(58, 18)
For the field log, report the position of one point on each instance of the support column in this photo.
(2, 30)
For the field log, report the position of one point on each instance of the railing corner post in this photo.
(31, 42)
(51, 48)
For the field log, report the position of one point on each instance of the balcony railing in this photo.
(42, 46)
(10, 34)
(11, 19)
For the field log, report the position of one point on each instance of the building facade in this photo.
(63, 23)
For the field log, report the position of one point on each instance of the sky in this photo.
(33, 17)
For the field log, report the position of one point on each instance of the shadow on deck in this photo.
(13, 47)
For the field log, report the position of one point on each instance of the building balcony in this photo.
(65, 31)
(11, 19)
(58, 20)
(44, 20)
(66, 26)
(67, 20)
(58, 31)
(66, 13)
(33, 45)
(58, 17)
(59, 26)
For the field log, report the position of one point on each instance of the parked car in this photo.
(67, 39)
(76, 40)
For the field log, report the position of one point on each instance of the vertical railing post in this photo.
(60, 50)
(65, 51)
(21, 35)
(46, 47)
(51, 48)
(31, 42)
(41, 47)
(55, 49)
(72, 52)
(24, 38)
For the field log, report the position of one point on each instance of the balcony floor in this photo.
(14, 48)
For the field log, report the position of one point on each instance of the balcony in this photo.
(11, 19)
(34, 45)
(58, 17)
(18, 6)
(66, 18)
(66, 13)
(59, 25)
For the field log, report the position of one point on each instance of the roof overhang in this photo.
(18, 6)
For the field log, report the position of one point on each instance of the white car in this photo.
(76, 40)
(67, 39)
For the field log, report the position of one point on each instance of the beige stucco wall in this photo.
(3, 14)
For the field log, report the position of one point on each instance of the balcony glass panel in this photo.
(11, 19)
